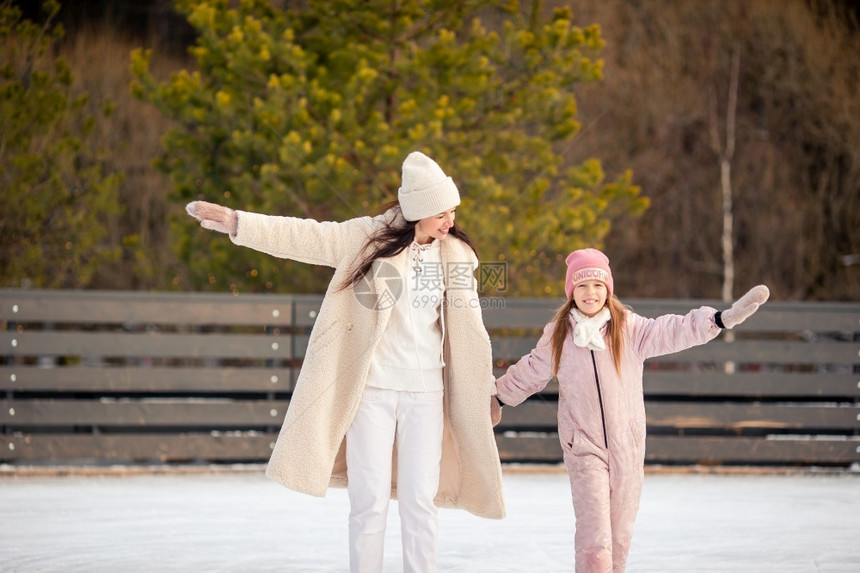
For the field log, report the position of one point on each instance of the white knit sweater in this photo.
(409, 355)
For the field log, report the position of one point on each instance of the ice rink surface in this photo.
(239, 521)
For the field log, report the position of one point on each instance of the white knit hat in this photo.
(425, 190)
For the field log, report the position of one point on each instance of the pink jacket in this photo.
(605, 409)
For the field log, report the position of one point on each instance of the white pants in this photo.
(415, 419)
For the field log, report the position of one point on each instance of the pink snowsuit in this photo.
(601, 424)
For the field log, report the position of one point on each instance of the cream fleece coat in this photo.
(309, 455)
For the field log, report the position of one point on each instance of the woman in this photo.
(399, 350)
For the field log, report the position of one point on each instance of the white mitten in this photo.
(214, 217)
(745, 306)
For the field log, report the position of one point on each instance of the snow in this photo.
(241, 521)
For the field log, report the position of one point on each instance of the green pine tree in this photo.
(55, 194)
(310, 112)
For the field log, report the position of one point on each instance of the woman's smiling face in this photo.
(435, 227)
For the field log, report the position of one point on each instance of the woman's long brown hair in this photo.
(389, 241)
(614, 331)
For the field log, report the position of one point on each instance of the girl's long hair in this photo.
(614, 331)
(389, 241)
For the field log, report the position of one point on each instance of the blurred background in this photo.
(706, 146)
(621, 124)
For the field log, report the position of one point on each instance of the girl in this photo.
(596, 348)
(399, 355)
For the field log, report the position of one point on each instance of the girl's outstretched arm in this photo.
(530, 374)
(672, 333)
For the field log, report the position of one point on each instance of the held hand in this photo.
(214, 217)
(495, 411)
(745, 306)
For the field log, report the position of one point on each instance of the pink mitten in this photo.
(745, 306)
(214, 217)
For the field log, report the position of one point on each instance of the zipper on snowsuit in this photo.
(600, 401)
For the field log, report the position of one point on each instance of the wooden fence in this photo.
(97, 377)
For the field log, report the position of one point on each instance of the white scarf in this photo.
(589, 329)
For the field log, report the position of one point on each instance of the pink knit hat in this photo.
(587, 265)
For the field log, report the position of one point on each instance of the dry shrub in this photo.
(130, 136)
(795, 169)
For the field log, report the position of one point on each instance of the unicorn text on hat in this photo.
(590, 274)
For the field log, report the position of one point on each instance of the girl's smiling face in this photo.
(590, 297)
(435, 227)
